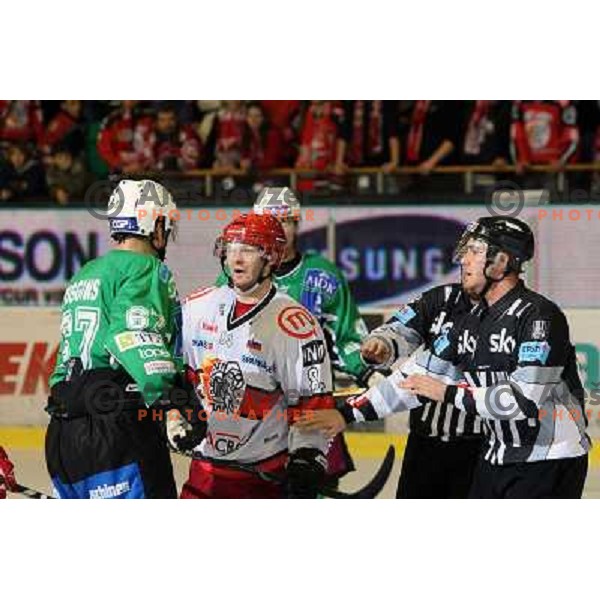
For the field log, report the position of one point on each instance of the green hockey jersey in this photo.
(122, 309)
(320, 286)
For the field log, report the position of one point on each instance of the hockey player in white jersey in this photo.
(261, 361)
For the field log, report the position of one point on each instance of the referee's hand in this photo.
(424, 385)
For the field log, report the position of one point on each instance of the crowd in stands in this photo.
(56, 148)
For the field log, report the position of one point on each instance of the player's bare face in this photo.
(472, 262)
(245, 264)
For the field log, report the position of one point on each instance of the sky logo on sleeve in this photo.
(534, 352)
(405, 315)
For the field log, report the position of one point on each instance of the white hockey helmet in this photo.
(280, 202)
(134, 207)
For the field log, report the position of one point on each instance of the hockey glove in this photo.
(182, 435)
(370, 377)
(306, 473)
(186, 426)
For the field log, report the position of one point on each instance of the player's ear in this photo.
(501, 260)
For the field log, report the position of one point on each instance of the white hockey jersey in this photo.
(257, 373)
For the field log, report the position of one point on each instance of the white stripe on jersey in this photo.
(523, 309)
(514, 306)
(426, 411)
(436, 417)
(460, 426)
(447, 420)
(515, 433)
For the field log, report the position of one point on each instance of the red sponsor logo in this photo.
(209, 327)
(254, 345)
(25, 367)
(297, 322)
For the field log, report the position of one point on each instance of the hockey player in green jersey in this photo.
(117, 357)
(319, 286)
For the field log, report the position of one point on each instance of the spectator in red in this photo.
(66, 176)
(370, 135)
(21, 176)
(486, 132)
(543, 132)
(319, 135)
(433, 134)
(225, 139)
(21, 121)
(66, 128)
(262, 145)
(168, 145)
(116, 137)
(284, 115)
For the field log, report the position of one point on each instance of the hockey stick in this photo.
(373, 487)
(369, 491)
(28, 492)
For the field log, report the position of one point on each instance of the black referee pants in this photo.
(432, 468)
(561, 478)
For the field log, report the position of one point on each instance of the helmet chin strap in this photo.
(490, 280)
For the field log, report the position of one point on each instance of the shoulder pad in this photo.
(201, 291)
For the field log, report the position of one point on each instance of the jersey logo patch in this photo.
(313, 353)
(159, 367)
(258, 362)
(501, 342)
(137, 317)
(405, 315)
(320, 281)
(315, 384)
(466, 343)
(539, 330)
(210, 327)
(224, 385)
(133, 339)
(534, 352)
(254, 345)
(202, 343)
(440, 344)
(297, 322)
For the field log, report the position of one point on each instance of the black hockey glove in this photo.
(305, 473)
(186, 425)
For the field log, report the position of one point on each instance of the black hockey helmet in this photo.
(502, 234)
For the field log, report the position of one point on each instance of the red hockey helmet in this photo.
(263, 231)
